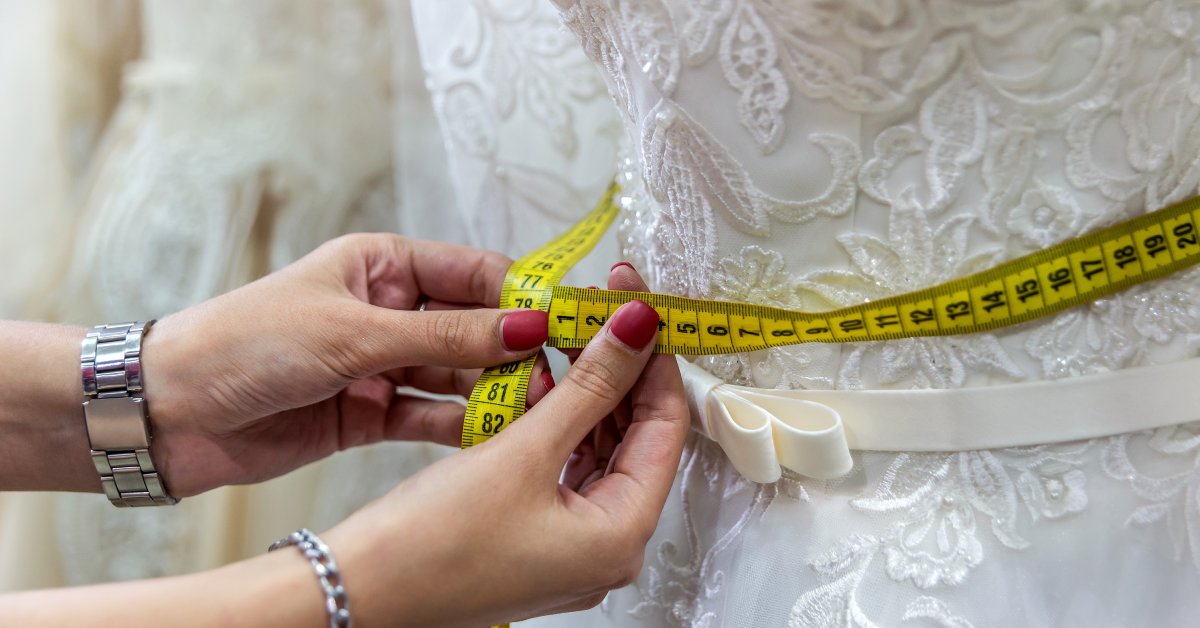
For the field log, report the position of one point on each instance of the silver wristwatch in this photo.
(118, 424)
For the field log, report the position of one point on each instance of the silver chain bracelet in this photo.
(337, 606)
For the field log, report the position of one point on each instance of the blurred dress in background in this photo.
(165, 152)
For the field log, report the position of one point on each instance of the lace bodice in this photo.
(819, 154)
(811, 154)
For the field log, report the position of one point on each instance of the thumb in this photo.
(593, 386)
(471, 338)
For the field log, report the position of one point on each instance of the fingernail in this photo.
(533, 395)
(619, 264)
(524, 330)
(592, 288)
(635, 324)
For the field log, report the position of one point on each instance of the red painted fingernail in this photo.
(592, 288)
(524, 330)
(635, 324)
(614, 266)
(547, 382)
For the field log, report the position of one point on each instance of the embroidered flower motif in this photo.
(1169, 310)
(938, 548)
(1046, 214)
(1173, 494)
(914, 256)
(933, 609)
(650, 34)
(1053, 496)
(836, 602)
(934, 541)
(757, 275)
(806, 366)
(678, 585)
(1050, 480)
(749, 59)
(1085, 340)
(935, 502)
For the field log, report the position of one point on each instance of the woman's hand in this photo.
(483, 536)
(305, 362)
(490, 534)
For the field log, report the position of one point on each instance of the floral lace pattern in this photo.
(947, 158)
(506, 71)
(1174, 498)
(976, 124)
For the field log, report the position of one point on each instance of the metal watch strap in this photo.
(114, 410)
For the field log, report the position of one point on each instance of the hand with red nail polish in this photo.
(490, 534)
(320, 372)
(238, 394)
(593, 456)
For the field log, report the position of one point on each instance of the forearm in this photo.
(43, 440)
(276, 589)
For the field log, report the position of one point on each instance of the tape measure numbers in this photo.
(1050, 280)
(498, 398)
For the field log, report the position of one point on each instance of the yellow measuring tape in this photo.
(1050, 280)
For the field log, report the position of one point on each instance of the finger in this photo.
(623, 420)
(417, 419)
(592, 387)
(605, 437)
(435, 305)
(541, 381)
(598, 474)
(644, 464)
(623, 276)
(442, 380)
(392, 339)
(459, 274)
(580, 465)
(393, 271)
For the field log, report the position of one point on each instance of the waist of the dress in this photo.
(812, 432)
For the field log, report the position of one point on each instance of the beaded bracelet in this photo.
(337, 605)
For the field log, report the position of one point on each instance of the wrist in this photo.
(167, 403)
(399, 566)
(40, 411)
(378, 565)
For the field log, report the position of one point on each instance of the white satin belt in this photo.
(812, 432)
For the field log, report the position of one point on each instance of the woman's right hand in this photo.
(490, 535)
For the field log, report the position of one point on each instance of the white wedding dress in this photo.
(807, 154)
(812, 154)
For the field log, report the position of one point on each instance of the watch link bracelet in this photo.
(114, 410)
